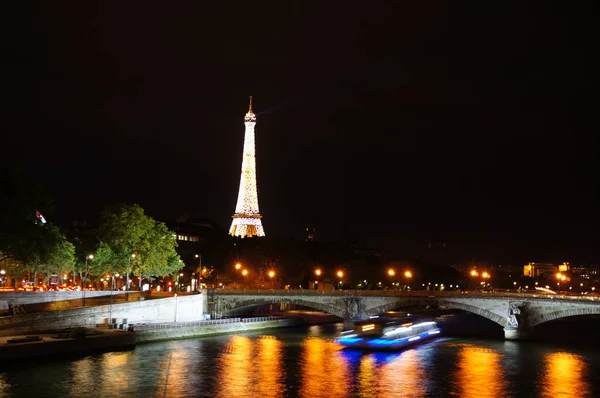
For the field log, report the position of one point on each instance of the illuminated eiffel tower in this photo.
(246, 220)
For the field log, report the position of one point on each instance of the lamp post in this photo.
(131, 258)
(340, 274)
(485, 276)
(474, 274)
(408, 275)
(196, 281)
(318, 274)
(391, 273)
(272, 275)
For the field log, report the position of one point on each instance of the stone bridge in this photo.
(516, 313)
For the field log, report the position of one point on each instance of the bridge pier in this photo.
(515, 333)
(348, 324)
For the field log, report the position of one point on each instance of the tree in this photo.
(137, 243)
(105, 261)
(160, 257)
(50, 252)
(60, 254)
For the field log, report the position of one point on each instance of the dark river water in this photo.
(304, 362)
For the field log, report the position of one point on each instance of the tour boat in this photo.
(386, 334)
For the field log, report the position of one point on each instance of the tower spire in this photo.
(250, 107)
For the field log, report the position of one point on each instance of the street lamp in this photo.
(245, 272)
(318, 274)
(408, 275)
(474, 274)
(195, 281)
(340, 274)
(272, 275)
(391, 273)
(238, 266)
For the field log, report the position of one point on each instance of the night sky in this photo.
(392, 124)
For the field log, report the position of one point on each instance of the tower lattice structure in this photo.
(247, 218)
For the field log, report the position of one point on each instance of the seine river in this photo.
(303, 362)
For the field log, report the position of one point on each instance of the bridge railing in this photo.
(414, 293)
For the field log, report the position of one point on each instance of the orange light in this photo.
(318, 272)
(245, 272)
(558, 275)
(370, 326)
(340, 274)
(271, 274)
(391, 272)
(408, 274)
(485, 275)
(238, 266)
(474, 273)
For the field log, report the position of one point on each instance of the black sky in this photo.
(388, 123)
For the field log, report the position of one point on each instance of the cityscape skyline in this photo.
(463, 131)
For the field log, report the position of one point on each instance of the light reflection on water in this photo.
(564, 375)
(323, 368)
(479, 373)
(306, 363)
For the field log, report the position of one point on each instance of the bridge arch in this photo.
(567, 313)
(492, 316)
(258, 301)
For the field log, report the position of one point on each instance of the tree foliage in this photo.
(132, 242)
(51, 252)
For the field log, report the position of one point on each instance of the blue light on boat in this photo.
(349, 340)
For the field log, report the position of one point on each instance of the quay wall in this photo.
(182, 332)
(172, 309)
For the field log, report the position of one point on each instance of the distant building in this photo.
(536, 270)
(590, 272)
(192, 234)
(310, 234)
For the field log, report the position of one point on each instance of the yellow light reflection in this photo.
(479, 373)
(367, 376)
(270, 381)
(564, 375)
(82, 371)
(236, 368)
(324, 371)
(412, 382)
(115, 367)
(176, 373)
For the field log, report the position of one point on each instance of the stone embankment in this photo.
(66, 342)
(62, 344)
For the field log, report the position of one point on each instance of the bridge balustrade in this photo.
(416, 293)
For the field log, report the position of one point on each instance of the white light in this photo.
(434, 332)
(414, 338)
(423, 324)
(246, 220)
(397, 330)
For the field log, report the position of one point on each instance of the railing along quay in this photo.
(171, 325)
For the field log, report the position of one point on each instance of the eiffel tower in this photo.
(246, 219)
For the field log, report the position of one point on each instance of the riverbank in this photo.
(60, 344)
(85, 341)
